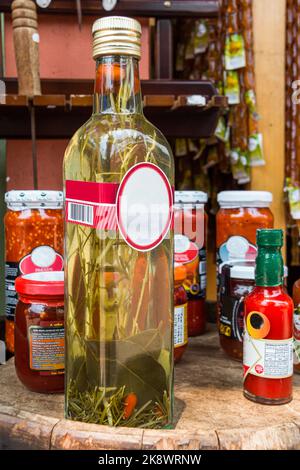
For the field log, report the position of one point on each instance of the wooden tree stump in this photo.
(210, 413)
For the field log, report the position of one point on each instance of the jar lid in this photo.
(190, 197)
(240, 271)
(245, 199)
(18, 200)
(42, 284)
(244, 271)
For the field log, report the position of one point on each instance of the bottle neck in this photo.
(117, 86)
(269, 267)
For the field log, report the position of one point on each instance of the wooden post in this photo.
(26, 42)
(269, 44)
(164, 49)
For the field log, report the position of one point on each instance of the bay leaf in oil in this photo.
(132, 362)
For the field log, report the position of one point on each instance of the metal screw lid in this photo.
(116, 35)
(18, 200)
(190, 197)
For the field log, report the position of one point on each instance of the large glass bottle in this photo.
(119, 175)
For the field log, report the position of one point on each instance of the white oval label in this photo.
(144, 206)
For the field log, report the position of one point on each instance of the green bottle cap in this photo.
(269, 237)
(269, 263)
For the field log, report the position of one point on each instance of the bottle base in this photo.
(266, 401)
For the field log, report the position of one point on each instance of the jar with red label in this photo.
(39, 331)
(241, 213)
(296, 299)
(190, 222)
(180, 313)
(237, 280)
(33, 242)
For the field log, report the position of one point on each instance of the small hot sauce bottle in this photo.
(268, 337)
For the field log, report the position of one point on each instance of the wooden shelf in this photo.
(177, 108)
(210, 413)
(142, 8)
(149, 87)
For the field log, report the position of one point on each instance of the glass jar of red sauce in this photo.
(180, 313)
(237, 280)
(296, 299)
(33, 242)
(241, 213)
(190, 228)
(39, 331)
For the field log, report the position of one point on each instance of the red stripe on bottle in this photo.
(103, 193)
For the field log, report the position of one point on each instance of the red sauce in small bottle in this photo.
(39, 331)
(268, 337)
(268, 300)
(180, 313)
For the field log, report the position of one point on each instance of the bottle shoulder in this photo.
(112, 144)
(270, 296)
(118, 128)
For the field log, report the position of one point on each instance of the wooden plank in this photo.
(159, 8)
(179, 440)
(61, 123)
(282, 437)
(81, 100)
(15, 100)
(159, 101)
(269, 39)
(149, 87)
(49, 101)
(71, 435)
(188, 121)
(21, 430)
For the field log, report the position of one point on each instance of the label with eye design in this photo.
(263, 357)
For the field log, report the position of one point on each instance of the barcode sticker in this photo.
(81, 213)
